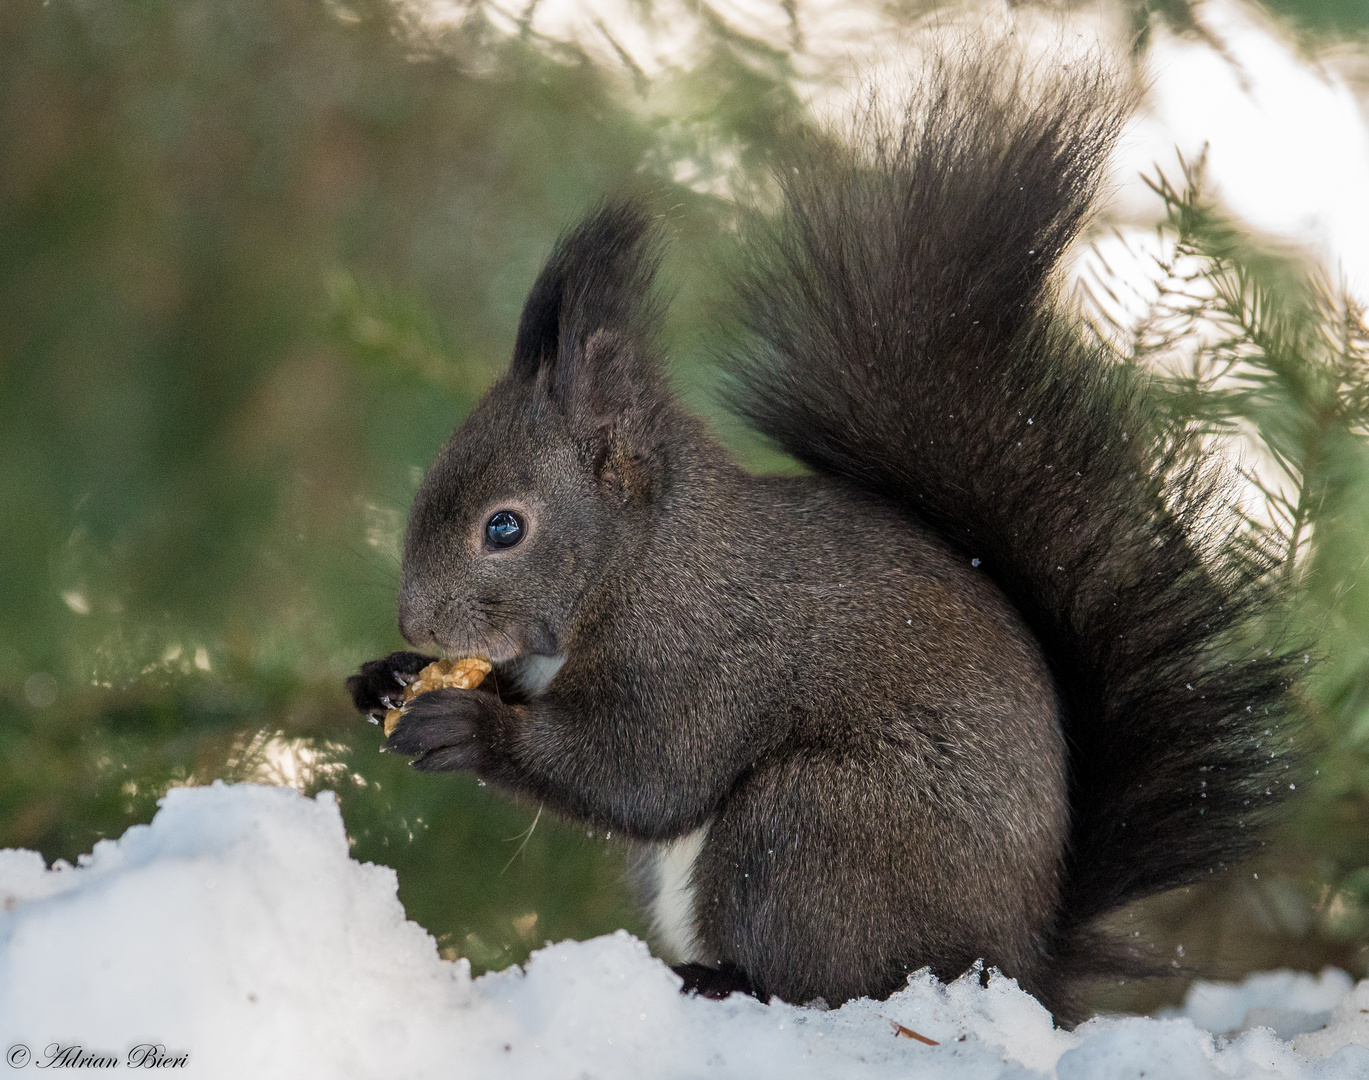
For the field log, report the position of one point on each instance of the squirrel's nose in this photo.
(406, 630)
(415, 620)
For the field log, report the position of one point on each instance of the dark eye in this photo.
(504, 529)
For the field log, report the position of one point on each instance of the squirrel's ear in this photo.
(587, 337)
(598, 279)
(613, 403)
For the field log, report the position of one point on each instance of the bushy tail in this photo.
(905, 335)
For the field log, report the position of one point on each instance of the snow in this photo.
(236, 930)
(1287, 1001)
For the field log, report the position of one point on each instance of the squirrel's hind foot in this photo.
(716, 983)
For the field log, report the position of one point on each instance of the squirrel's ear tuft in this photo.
(597, 281)
(587, 339)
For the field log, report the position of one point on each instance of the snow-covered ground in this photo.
(236, 933)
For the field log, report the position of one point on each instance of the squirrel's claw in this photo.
(440, 730)
(379, 684)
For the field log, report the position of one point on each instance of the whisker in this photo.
(526, 837)
(502, 634)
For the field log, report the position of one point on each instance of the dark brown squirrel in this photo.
(973, 683)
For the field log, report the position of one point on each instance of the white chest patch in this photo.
(534, 673)
(672, 908)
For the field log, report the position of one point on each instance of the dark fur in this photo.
(955, 696)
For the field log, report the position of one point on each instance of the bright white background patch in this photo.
(1286, 131)
(1287, 141)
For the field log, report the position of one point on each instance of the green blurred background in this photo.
(257, 257)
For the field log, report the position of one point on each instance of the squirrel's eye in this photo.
(504, 529)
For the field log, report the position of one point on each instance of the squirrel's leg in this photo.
(594, 765)
(835, 874)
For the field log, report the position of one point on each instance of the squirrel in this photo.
(978, 678)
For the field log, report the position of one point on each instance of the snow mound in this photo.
(236, 937)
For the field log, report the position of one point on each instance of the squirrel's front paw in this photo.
(446, 730)
(379, 685)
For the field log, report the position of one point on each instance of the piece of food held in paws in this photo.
(465, 673)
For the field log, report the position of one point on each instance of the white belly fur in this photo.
(534, 672)
(672, 908)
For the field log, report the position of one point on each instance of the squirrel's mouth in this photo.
(499, 653)
(512, 645)
(498, 646)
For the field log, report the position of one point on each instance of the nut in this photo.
(463, 674)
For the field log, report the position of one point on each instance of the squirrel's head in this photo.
(553, 476)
